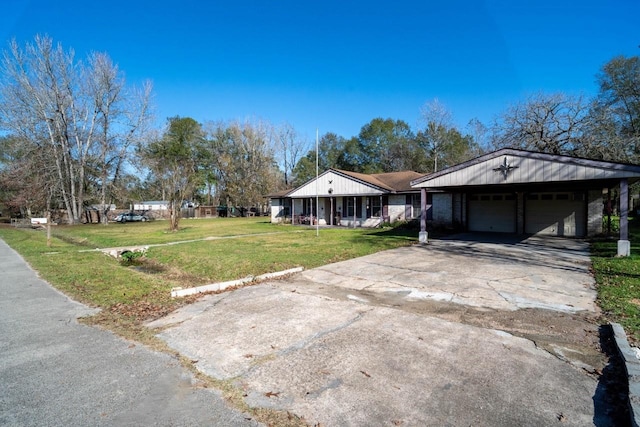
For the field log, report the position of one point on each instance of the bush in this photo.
(130, 257)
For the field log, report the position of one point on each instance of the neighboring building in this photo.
(154, 205)
(350, 199)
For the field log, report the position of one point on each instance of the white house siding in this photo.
(442, 208)
(338, 184)
(151, 206)
(278, 211)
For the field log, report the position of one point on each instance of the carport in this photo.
(524, 192)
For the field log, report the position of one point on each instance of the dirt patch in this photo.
(152, 267)
(574, 338)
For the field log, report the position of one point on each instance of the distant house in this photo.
(154, 205)
(351, 199)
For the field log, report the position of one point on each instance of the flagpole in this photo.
(317, 197)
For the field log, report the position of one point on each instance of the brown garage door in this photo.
(492, 212)
(556, 214)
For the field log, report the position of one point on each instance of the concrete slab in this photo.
(533, 273)
(337, 346)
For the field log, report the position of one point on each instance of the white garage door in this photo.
(555, 214)
(492, 212)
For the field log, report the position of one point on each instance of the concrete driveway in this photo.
(478, 270)
(468, 331)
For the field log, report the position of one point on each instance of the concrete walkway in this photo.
(336, 345)
(57, 372)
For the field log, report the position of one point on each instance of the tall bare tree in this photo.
(436, 119)
(615, 113)
(289, 149)
(245, 164)
(440, 138)
(553, 124)
(122, 123)
(65, 108)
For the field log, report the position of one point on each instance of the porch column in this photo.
(331, 213)
(624, 246)
(311, 208)
(423, 237)
(293, 211)
(355, 210)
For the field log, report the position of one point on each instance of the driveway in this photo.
(467, 331)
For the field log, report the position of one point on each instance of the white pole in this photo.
(317, 197)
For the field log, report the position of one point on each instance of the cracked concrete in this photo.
(477, 273)
(414, 336)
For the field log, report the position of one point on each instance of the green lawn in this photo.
(618, 281)
(238, 247)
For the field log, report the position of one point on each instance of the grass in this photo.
(237, 247)
(618, 281)
(156, 232)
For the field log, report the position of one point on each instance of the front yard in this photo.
(208, 251)
(237, 247)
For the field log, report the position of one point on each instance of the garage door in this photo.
(492, 212)
(556, 214)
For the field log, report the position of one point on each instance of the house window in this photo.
(350, 206)
(309, 207)
(376, 207)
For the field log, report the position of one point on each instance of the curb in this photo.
(632, 367)
(213, 287)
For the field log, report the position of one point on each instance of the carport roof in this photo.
(511, 166)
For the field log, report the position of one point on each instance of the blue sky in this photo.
(336, 65)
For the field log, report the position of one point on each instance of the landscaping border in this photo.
(179, 292)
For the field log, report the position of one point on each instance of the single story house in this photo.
(524, 192)
(350, 199)
(505, 191)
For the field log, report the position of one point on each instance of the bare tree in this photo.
(245, 164)
(440, 138)
(548, 123)
(436, 120)
(122, 122)
(289, 149)
(615, 112)
(65, 107)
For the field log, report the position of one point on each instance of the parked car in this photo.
(131, 217)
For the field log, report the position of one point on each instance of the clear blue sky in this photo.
(335, 65)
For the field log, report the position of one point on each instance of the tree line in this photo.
(76, 135)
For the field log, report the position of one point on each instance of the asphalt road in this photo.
(57, 372)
